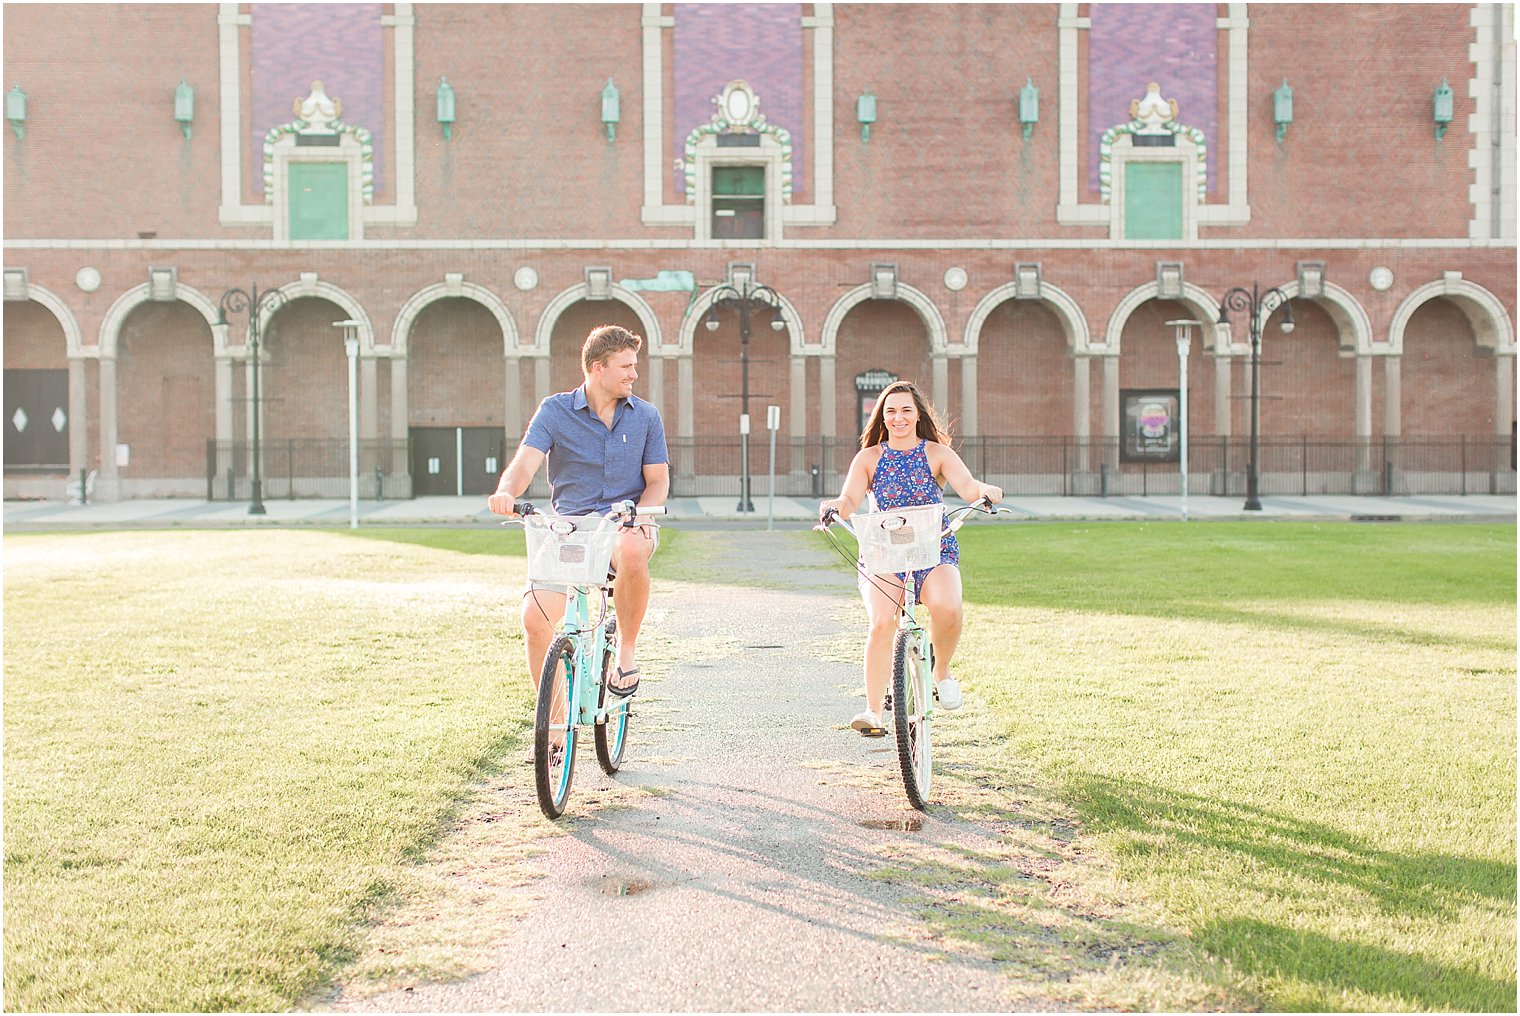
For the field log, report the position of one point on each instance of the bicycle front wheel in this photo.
(911, 700)
(612, 732)
(554, 729)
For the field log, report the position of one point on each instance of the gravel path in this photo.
(739, 879)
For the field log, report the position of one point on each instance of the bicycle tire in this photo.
(611, 734)
(911, 721)
(553, 771)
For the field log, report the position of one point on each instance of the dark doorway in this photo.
(456, 461)
(37, 418)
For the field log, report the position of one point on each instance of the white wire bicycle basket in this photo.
(571, 550)
(900, 540)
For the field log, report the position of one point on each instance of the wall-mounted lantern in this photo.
(15, 110)
(1282, 109)
(446, 107)
(611, 109)
(865, 112)
(1441, 108)
(1029, 106)
(184, 107)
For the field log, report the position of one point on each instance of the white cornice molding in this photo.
(1022, 244)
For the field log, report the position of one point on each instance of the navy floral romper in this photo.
(904, 480)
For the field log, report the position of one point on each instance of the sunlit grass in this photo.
(219, 747)
(1300, 739)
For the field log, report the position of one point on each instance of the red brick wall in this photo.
(304, 385)
(884, 335)
(34, 339)
(1023, 373)
(103, 156)
(164, 362)
(1447, 386)
(1361, 158)
(456, 374)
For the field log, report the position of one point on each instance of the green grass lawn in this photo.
(1299, 738)
(221, 748)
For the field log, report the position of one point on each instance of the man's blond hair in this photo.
(606, 340)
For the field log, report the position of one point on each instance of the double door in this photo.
(456, 461)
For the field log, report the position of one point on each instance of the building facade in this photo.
(1010, 204)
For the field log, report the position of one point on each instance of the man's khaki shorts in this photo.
(651, 531)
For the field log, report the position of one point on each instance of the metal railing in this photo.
(1063, 466)
(307, 467)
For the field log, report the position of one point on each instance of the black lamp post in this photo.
(256, 304)
(1259, 305)
(744, 298)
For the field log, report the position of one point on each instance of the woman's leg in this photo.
(883, 594)
(941, 593)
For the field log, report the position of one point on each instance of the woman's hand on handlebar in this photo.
(991, 495)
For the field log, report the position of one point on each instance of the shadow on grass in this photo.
(503, 541)
(1270, 952)
(1401, 884)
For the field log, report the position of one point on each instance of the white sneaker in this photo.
(948, 692)
(868, 723)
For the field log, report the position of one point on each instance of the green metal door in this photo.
(1153, 201)
(319, 201)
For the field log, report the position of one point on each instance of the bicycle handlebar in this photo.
(626, 509)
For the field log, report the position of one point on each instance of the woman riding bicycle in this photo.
(905, 459)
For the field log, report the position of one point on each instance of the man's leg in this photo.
(542, 610)
(631, 558)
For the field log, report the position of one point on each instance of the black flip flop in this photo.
(624, 690)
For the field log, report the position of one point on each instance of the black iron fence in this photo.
(306, 467)
(816, 466)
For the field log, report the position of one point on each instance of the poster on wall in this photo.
(1150, 425)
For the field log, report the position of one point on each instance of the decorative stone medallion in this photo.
(955, 278)
(87, 279)
(1381, 278)
(525, 278)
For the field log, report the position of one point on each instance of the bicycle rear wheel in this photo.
(611, 733)
(911, 699)
(554, 729)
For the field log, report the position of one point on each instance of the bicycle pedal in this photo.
(874, 732)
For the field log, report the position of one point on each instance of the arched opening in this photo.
(1447, 379)
(455, 403)
(37, 386)
(877, 335)
(166, 397)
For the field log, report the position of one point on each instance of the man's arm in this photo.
(516, 477)
(656, 484)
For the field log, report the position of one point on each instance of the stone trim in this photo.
(233, 212)
(126, 303)
(580, 291)
(1492, 155)
(1491, 325)
(1073, 321)
(938, 338)
(400, 332)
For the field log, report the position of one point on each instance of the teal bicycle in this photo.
(576, 551)
(890, 542)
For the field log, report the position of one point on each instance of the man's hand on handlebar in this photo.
(502, 504)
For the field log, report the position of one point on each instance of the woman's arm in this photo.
(954, 472)
(856, 482)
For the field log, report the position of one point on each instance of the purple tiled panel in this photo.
(758, 43)
(1174, 45)
(339, 45)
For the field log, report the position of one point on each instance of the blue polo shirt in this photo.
(591, 467)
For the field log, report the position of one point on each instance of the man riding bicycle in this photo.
(603, 445)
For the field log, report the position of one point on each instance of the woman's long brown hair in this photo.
(929, 426)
